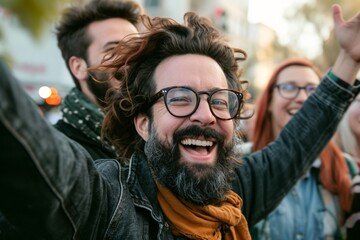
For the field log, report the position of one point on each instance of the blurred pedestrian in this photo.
(348, 138)
(348, 133)
(353, 221)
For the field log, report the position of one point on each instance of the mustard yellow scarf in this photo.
(205, 222)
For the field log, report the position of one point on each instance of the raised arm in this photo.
(46, 180)
(267, 175)
(347, 64)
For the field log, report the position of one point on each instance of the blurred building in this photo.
(263, 53)
(36, 63)
(228, 15)
(231, 16)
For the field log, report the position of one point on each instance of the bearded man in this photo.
(172, 121)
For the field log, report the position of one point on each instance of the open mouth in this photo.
(293, 111)
(197, 144)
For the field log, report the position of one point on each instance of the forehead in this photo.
(298, 74)
(196, 71)
(110, 30)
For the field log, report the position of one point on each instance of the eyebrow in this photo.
(110, 44)
(296, 83)
(210, 90)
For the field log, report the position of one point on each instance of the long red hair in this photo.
(334, 172)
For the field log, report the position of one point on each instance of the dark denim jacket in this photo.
(50, 188)
(95, 149)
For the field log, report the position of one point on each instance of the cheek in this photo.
(354, 122)
(278, 110)
(227, 127)
(165, 123)
(279, 105)
(94, 57)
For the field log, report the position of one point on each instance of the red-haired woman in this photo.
(314, 208)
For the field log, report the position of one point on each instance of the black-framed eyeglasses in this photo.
(291, 90)
(183, 101)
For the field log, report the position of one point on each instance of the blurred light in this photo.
(44, 92)
(219, 12)
(54, 99)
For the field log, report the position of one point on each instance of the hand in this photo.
(347, 32)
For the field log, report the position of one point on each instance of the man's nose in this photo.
(203, 113)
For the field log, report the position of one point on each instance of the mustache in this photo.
(196, 132)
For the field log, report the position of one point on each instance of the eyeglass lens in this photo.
(182, 102)
(289, 90)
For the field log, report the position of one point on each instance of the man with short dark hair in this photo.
(84, 34)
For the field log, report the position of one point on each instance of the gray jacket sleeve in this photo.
(266, 176)
(47, 181)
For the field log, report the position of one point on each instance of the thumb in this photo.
(337, 15)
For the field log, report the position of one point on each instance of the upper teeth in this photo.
(293, 111)
(197, 142)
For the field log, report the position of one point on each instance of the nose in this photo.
(302, 96)
(203, 114)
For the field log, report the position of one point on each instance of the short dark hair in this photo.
(136, 60)
(72, 37)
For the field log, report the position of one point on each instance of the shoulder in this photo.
(60, 124)
(352, 165)
(353, 221)
(108, 167)
(67, 129)
(111, 174)
(246, 148)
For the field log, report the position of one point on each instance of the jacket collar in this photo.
(142, 185)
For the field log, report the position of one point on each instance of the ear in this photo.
(78, 67)
(141, 123)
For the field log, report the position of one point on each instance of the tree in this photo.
(34, 15)
(317, 15)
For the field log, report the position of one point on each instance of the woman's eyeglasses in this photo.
(291, 91)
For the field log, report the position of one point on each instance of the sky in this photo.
(268, 12)
(271, 13)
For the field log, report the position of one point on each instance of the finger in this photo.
(358, 16)
(337, 14)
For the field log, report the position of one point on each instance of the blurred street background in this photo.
(269, 31)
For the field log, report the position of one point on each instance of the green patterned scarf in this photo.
(84, 115)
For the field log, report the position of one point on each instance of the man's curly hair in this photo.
(134, 61)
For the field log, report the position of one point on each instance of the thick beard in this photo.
(99, 86)
(199, 184)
